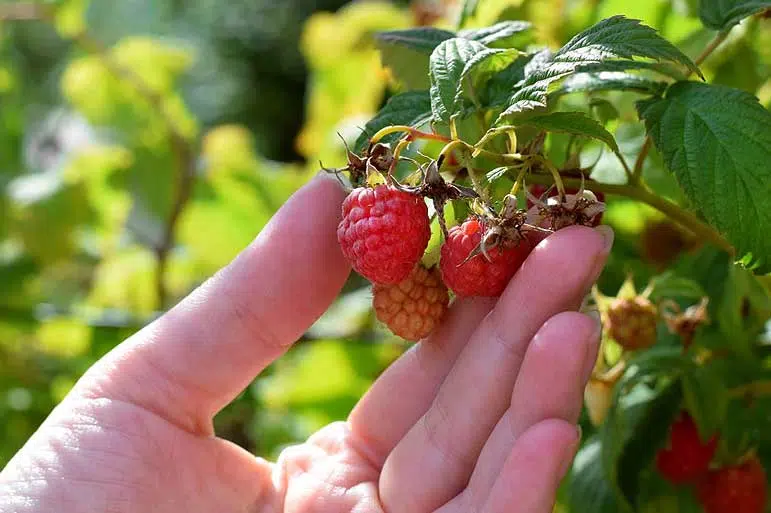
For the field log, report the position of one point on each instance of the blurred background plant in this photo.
(144, 143)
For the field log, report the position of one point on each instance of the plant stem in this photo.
(181, 147)
(711, 47)
(757, 388)
(412, 132)
(645, 195)
(640, 162)
(629, 175)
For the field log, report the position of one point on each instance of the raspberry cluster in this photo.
(687, 458)
(385, 231)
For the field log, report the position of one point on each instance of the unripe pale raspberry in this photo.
(384, 232)
(479, 276)
(632, 322)
(598, 397)
(413, 308)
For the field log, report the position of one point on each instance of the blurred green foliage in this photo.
(108, 107)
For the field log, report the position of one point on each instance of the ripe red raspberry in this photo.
(384, 232)
(479, 276)
(686, 458)
(632, 322)
(734, 489)
(413, 308)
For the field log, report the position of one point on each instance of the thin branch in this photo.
(711, 47)
(23, 11)
(180, 145)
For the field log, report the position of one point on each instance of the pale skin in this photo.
(481, 417)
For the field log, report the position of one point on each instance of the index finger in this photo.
(191, 362)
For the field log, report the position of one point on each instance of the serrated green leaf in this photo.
(406, 53)
(500, 87)
(609, 81)
(576, 123)
(412, 108)
(496, 33)
(610, 45)
(485, 65)
(706, 399)
(619, 37)
(448, 61)
(420, 39)
(724, 14)
(720, 157)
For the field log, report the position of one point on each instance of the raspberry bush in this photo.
(465, 133)
(508, 143)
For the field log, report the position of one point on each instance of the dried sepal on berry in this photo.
(482, 254)
(375, 158)
(413, 308)
(436, 188)
(556, 212)
(685, 323)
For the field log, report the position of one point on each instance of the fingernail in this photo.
(593, 346)
(608, 236)
(570, 453)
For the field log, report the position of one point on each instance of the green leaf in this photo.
(720, 157)
(412, 108)
(610, 45)
(448, 62)
(467, 11)
(576, 123)
(420, 39)
(671, 286)
(619, 37)
(743, 310)
(609, 81)
(485, 65)
(724, 14)
(589, 488)
(497, 33)
(657, 495)
(500, 87)
(706, 399)
(406, 53)
(635, 428)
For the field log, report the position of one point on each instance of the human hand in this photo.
(480, 417)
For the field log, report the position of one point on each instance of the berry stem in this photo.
(492, 133)
(412, 133)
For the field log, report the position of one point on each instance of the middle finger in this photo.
(433, 462)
